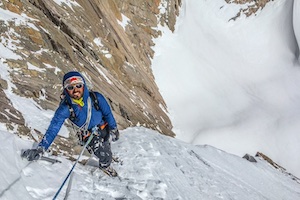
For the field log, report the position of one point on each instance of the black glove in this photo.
(114, 134)
(33, 154)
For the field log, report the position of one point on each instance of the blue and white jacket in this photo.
(98, 117)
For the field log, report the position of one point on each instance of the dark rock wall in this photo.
(89, 38)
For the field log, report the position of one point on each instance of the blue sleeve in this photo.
(57, 121)
(106, 111)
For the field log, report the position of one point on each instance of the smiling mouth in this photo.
(76, 93)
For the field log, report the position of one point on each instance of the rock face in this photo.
(251, 6)
(109, 41)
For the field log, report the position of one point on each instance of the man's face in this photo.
(75, 90)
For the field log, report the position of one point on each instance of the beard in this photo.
(77, 94)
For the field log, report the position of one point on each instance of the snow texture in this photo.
(154, 167)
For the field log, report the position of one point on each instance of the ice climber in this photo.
(87, 111)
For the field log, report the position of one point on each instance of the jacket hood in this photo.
(74, 74)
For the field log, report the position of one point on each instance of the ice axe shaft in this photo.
(51, 160)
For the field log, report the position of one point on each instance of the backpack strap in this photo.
(72, 113)
(64, 100)
(95, 100)
(96, 103)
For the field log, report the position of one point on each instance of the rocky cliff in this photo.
(250, 6)
(109, 41)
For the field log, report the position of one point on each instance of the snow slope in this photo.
(154, 167)
(234, 84)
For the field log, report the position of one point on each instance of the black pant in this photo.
(100, 146)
